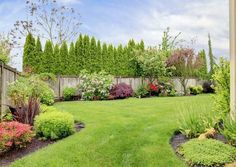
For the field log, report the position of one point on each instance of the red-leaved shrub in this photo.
(121, 91)
(14, 135)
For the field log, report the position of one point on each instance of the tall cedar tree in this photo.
(211, 56)
(72, 60)
(57, 62)
(98, 59)
(48, 58)
(29, 52)
(86, 53)
(203, 72)
(64, 59)
(38, 56)
(120, 61)
(104, 57)
(93, 54)
(110, 60)
(79, 47)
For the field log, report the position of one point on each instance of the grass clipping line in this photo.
(207, 152)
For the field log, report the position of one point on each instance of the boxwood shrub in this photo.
(54, 125)
(207, 152)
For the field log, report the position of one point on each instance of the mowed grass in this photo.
(121, 133)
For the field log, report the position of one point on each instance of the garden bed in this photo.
(8, 157)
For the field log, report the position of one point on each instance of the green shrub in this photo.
(47, 96)
(45, 108)
(195, 90)
(193, 123)
(221, 78)
(207, 152)
(95, 85)
(229, 130)
(54, 125)
(142, 91)
(68, 93)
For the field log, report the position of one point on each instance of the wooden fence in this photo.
(7, 75)
(73, 81)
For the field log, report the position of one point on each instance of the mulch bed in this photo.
(179, 139)
(7, 158)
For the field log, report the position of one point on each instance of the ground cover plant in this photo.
(207, 152)
(130, 132)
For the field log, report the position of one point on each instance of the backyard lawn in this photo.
(121, 133)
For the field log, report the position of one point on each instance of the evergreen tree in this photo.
(104, 57)
(110, 60)
(141, 45)
(211, 56)
(57, 60)
(64, 58)
(72, 60)
(86, 53)
(120, 61)
(38, 56)
(131, 71)
(29, 52)
(79, 47)
(98, 59)
(93, 55)
(48, 58)
(203, 72)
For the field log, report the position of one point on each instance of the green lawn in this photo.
(123, 133)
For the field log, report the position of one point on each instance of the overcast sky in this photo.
(116, 21)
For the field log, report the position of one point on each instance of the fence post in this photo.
(1, 88)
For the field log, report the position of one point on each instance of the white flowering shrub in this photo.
(95, 85)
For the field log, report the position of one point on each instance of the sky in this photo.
(117, 21)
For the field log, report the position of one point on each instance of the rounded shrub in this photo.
(142, 91)
(47, 96)
(69, 93)
(207, 152)
(121, 91)
(54, 125)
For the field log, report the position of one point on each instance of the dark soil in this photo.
(179, 139)
(8, 157)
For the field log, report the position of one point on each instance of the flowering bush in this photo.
(121, 91)
(153, 88)
(96, 85)
(14, 134)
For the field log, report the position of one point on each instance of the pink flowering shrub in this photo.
(14, 134)
(121, 91)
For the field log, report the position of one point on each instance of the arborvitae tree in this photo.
(79, 47)
(211, 56)
(29, 52)
(110, 60)
(120, 61)
(203, 72)
(104, 57)
(98, 58)
(93, 55)
(48, 58)
(64, 58)
(72, 60)
(38, 56)
(86, 53)
(57, 60)
(141, 45)
(115, 65)
(131, 58)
